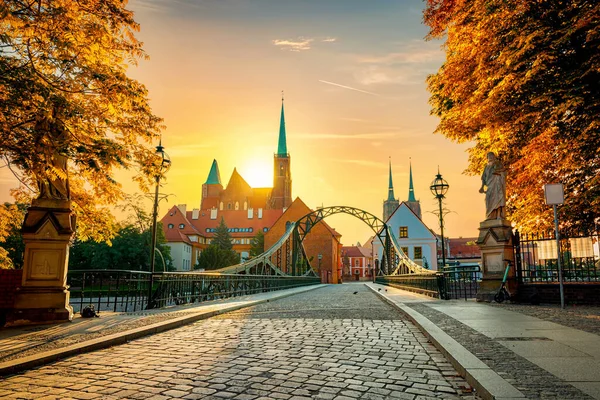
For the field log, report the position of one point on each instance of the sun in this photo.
(257, 173)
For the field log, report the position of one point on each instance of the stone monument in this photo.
(47, 231)
(495, 233)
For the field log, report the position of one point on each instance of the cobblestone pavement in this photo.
(339, 342)
(533, 381)
(585, 318)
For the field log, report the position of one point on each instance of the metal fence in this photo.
(537, 258)
(460, 282)
(124, 291)
(423, 283)
(453, 282)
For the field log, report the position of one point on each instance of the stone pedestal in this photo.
(43, 296)
(495, 242)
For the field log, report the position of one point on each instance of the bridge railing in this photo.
(429, 283)
(129, 291)
(453, 282)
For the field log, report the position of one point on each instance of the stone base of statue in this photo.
(44, 296)
(496, 244)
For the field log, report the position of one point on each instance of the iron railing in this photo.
(423, 283)
(125, 291)
(537, 258)
(460, 282)
(453, 282)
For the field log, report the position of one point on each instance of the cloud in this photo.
(300, 44)
(409, 64)
(329, 40)
(358, 136)
(348, 87)
(363, 163)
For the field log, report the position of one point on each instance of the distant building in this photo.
(417, 241)
(359, 262)
(322, 240)
(246, 210)
(462, 251)
(390, 205)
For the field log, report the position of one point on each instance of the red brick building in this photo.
(246, 211)
(321, 240)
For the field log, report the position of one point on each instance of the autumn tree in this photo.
(257, 244)
(12, 246)
(128, 250)
(63, 67)
(522, 79)
(220, 253)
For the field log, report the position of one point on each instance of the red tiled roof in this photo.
(355, 251)
(234, 219)
(175, 217)
(463, 247)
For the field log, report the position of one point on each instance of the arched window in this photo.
(281, 170)
(245, 205)
(181, 226)
(229, 206)
(170, 226)
(237, 205)
(221, 206)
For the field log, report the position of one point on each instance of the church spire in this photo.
(391, 187)
(411, 189)
(214, 177)
(282, 145)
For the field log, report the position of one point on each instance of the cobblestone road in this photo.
(338, 342)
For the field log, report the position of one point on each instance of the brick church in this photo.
(245, 210)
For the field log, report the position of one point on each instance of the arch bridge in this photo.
(287, 257)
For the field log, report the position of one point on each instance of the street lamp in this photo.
(162, 164)
(439, 187)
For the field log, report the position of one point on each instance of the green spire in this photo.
(282, 146)
(214, 177)
(411, 189)
(391, 188)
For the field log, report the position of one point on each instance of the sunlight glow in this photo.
(258, 173)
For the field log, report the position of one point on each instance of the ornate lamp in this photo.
(162, 164)
(439, 188)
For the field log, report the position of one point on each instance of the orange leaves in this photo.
(68, 59)
(522, 79)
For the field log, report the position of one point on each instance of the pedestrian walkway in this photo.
(506, 353)
(29, 346)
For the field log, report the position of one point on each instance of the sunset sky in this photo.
(353, 73)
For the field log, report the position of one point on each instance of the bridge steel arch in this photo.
(288, 257)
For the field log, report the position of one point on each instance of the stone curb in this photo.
(36, 360)
(486, 381)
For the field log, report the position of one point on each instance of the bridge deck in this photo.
(339, 341)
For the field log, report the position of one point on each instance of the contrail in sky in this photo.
(348, 87)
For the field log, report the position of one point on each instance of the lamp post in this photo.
(162, 164)
(439, 187)
(554, 195)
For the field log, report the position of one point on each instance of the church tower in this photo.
(390, 205)
(412, 202)
(281, 196)
(212, 188)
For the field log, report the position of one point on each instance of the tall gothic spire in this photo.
(411, 189)
(282, 145)
(391, 187)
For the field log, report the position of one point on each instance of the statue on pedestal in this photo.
(53, 185)
(493, 184)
